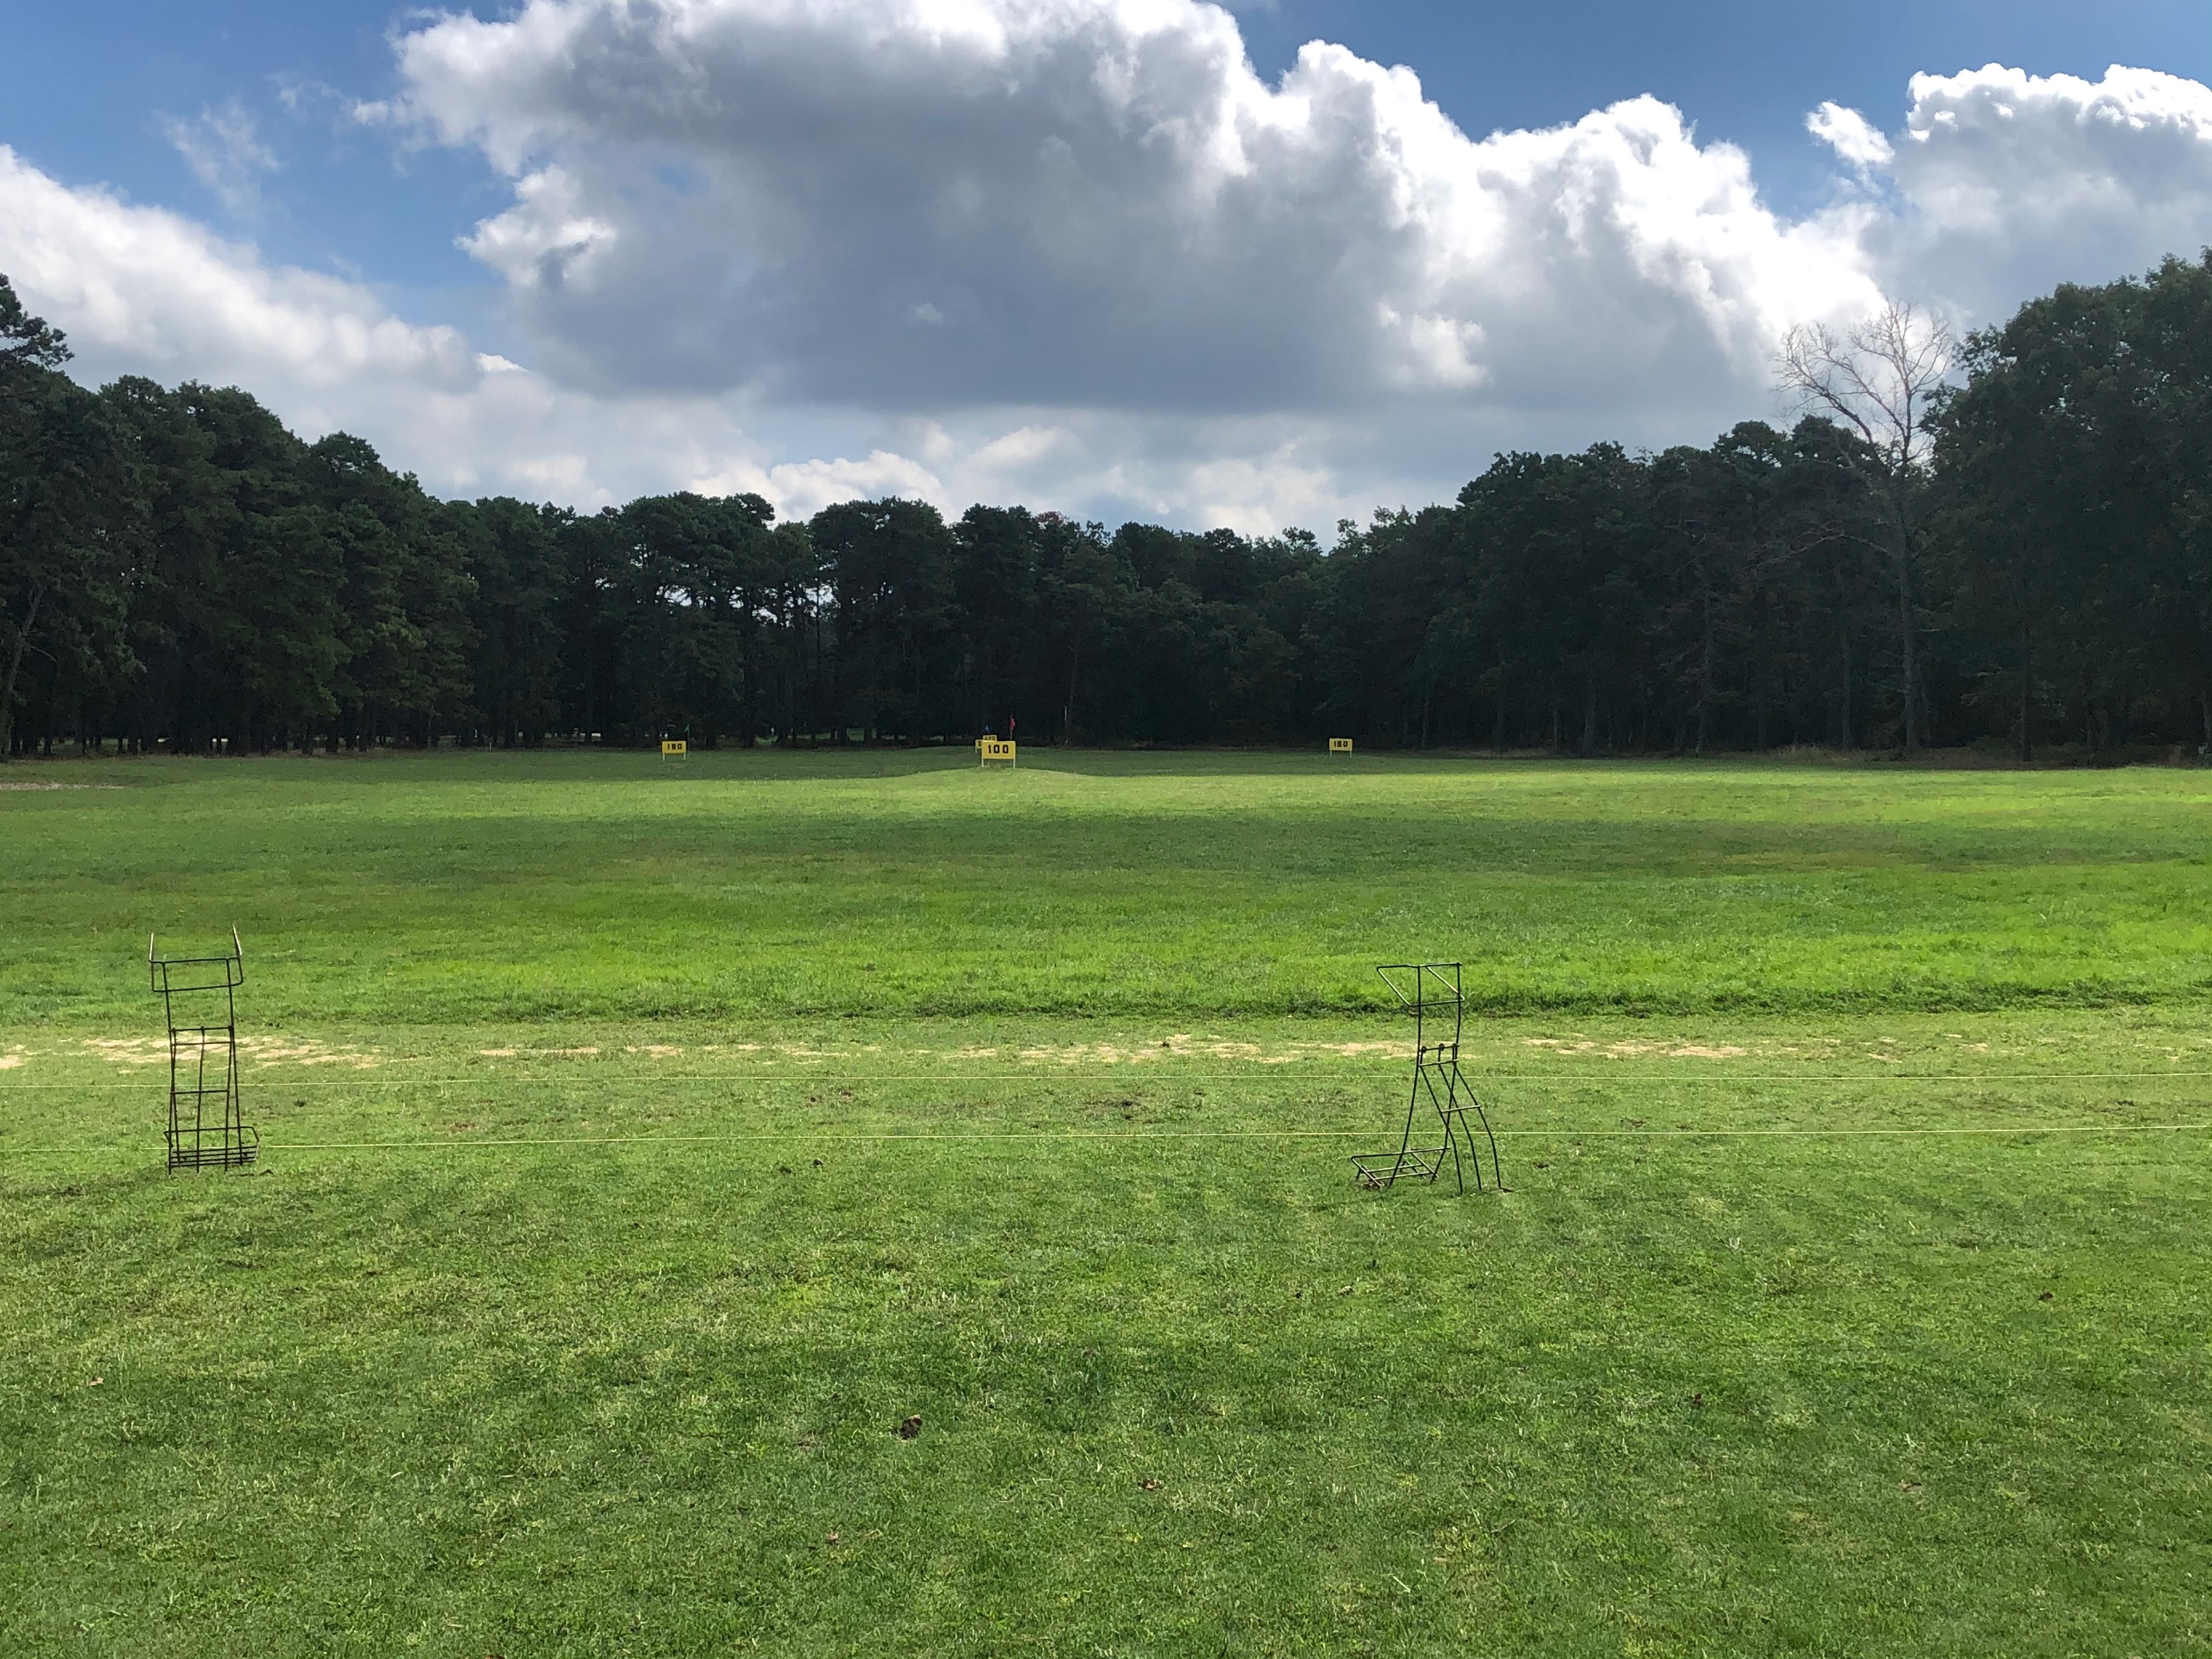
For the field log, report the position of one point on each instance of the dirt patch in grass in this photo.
(257, 1051)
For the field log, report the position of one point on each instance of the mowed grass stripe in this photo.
(1319, 1396)
(877, 886)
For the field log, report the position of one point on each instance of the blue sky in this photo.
(1031, 366)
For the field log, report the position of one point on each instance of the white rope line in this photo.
(1181, 1076)
(805, 1138)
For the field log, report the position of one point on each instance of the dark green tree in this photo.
(71, 524)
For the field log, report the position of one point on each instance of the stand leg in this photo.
(1444, 1112)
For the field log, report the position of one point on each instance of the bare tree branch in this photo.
(1878, 379)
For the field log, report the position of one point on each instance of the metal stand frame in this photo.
(207, 1127)
(1431, 991)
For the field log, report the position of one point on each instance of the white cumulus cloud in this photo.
(1862, 144)
(1095, 203)
(2014, 183)
(157, 293)
(144, 291)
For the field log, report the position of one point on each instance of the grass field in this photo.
(645, 1142)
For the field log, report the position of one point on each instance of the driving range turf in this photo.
(645, 1142)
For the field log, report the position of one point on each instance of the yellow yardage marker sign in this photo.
(995, 749)
(677, 747)
(1339, 745)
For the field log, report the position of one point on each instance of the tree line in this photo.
(2005, 542)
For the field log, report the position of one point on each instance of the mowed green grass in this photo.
(483, 887)
(645, 1143)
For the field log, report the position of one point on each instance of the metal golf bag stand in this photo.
(1431, 989)
(199, 996)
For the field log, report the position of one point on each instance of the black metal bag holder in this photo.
(1430, 991)
(207, 1127)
